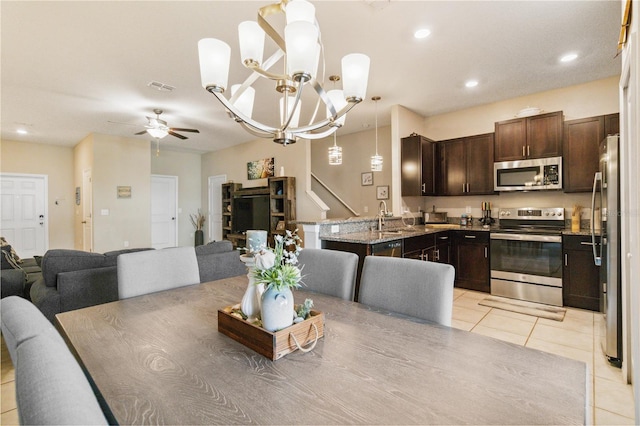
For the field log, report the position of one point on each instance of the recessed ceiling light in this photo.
(471, 83)
(21, 131)
(569, 57)
(422, 33)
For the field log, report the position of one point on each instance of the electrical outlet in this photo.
(468, 209)
(366, 209)
(126, 244)
(335, 229)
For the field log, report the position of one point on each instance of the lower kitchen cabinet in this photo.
(431, 247)
(580, 275)
(471, 260)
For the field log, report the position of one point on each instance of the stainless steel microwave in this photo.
(528, 175)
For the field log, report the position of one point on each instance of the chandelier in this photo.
(300, 49)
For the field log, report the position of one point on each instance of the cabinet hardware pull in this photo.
(584, 243)
(468, 187)
(436, 255)
(424, 187)
(486, 253)
(472, 237)
(463, 187)
(566, 260)
(523, 154)
(528, 150)
(443, 238)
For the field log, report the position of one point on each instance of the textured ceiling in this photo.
(68, 68)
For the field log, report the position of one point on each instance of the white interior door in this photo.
(215, 207)
(164, 211)
(87, 211)
(24, 213)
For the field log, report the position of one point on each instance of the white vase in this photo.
(252, 298)
(277, 309)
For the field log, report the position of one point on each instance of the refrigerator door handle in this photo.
(596, 259)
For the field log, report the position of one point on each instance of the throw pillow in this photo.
(7, 260)
(6, 246)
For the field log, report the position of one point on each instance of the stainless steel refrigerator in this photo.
(606, 246)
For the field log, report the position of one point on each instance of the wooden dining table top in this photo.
(159, 359)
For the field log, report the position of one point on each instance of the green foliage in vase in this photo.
(277, 267)
(304, 310)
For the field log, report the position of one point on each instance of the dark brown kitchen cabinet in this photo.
(580, 283)
(471, 260)
(466, 165)
(430, 247)
(418, 160)
(611, 124)
(580, 150)
(539, 136)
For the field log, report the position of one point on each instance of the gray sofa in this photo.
(18, 281)
(73, 279)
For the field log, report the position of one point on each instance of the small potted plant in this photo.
(197, 220)
(276, 268)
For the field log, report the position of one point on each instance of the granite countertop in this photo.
(374, 237)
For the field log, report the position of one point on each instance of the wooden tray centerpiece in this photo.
(273, 345)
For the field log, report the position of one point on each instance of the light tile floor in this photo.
(576, 337)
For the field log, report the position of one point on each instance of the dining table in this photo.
(160, 359)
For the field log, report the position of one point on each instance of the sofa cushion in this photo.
(214, 247)
(64, 260)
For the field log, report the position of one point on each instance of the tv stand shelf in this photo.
(281, 192)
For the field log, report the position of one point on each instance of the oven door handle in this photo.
(528, 237)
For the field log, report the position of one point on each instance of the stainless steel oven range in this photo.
(526, 255)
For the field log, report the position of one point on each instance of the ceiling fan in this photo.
(158, 128)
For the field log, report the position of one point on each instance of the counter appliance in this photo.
(606, 189)
(526, 255)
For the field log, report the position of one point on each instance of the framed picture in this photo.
(260, 169)
(280, 225)
(124, 192)
(382, 192)
(367, 179)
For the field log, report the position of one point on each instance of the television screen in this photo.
(251, 212)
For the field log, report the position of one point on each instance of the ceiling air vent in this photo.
(160, 86)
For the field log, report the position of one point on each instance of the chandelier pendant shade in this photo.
(299, 53)
(335, 153)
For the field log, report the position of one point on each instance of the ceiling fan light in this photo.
(285, 112)
(244, 103)
(158, 133)
(301, 39)
(251, 38)
(336, 97)
(300, 10)
(214, 58)
(355, 75)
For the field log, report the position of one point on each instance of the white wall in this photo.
(187, 167)
(56, 162)
(345, 179)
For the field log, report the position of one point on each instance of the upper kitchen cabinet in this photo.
(611, 124)
(580, 150)
(466, 165)
(539, 136)
(418, 159)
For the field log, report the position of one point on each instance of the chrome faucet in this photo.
(382, 212)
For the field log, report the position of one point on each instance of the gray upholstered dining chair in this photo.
(51, 388)
(408, 286)
(329, 272)
(156, 270)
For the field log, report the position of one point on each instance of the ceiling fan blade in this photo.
(141, 133)
(177, 135)
(177, 129)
